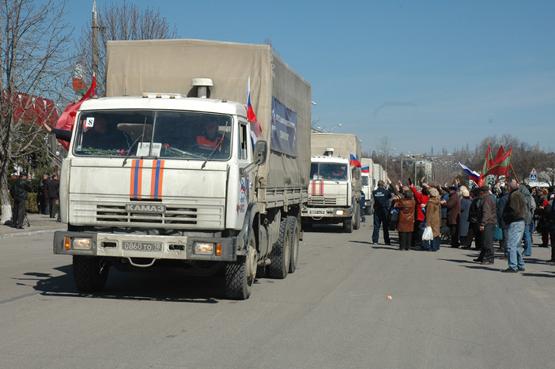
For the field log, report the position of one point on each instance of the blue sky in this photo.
(422, 73)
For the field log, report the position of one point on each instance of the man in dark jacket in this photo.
(488, 221)
(501, 204)
(53, 189)
(453, 206)
(382, 205)
(43, 195)
(19, 193)
(474, 215)
(514, 216)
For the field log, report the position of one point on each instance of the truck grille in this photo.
(321, 201)
(174, 215)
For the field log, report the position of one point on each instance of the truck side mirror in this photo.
(260, 152)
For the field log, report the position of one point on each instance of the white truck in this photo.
(367, 184)
(334, 188)
(167, 170)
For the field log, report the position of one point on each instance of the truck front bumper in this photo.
(319, 213)
(146, 246)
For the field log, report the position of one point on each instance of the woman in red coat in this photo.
(405, 226)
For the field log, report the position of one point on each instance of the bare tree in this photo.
(123, 21)
(33, 40)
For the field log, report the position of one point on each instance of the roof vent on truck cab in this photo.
(329, 151)
(202, 87)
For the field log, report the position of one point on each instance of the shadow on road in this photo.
(491, 269)
(461, 261)
(543, 275)
(158, 284)
(323, 228)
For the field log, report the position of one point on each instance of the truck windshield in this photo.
(328, 171)
(147, 133)
(364, 180)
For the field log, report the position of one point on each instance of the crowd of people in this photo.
(428, 214)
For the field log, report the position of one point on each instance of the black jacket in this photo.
(20, 189)
(475, 212)
(53, 189)
(382, 199)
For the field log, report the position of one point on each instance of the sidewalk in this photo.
(39, 224)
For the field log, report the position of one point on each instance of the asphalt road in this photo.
(334, 312)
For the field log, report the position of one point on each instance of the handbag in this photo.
(498, 234)
(428, 234)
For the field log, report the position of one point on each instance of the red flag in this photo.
(251, 115)
(500, 165)
(67, 119)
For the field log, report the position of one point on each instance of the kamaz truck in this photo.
(176, 168)
(334, 190)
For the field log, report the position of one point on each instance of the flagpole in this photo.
(94, 40)
(514, 172)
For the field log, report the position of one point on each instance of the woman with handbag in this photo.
(433, 218)
(405, 224)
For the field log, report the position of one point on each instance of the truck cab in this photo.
(332, 197)
(158, 178)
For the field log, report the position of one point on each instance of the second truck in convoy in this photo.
(335, 181)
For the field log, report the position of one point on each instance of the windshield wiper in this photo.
(134, 143)
(215, 149)
(183, 152)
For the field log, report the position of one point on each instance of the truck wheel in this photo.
(280, 257)
(240, 276)
(348, 225)
(90, 273)
(295, 236)
(356, 224)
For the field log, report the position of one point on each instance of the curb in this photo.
(29, 233)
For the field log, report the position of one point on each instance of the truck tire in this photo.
(356, 224)
(240, 276)
(90, 273)
(348, 225)
(295, 232)
(280, 257)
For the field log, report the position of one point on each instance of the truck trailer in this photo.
(335, 181)
(168, 171)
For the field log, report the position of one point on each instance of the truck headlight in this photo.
(203, 248)
(339, 212)
(81, 243)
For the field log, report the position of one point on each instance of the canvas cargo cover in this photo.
(376, 172)
(135, 67)
(344, 144)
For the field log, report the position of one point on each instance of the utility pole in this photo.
(94, 28)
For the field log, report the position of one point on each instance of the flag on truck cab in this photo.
(67, 119)
(251, 115)
(365, 169)
(353, 160)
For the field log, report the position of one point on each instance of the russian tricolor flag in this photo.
(365, 169)
(251, 115)
(353, 160)
(473, 175)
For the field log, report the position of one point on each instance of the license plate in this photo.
(318, 212)
(142, 246)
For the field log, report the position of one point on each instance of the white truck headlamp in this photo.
(203, 248)
(81, 243)
(339, 212)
